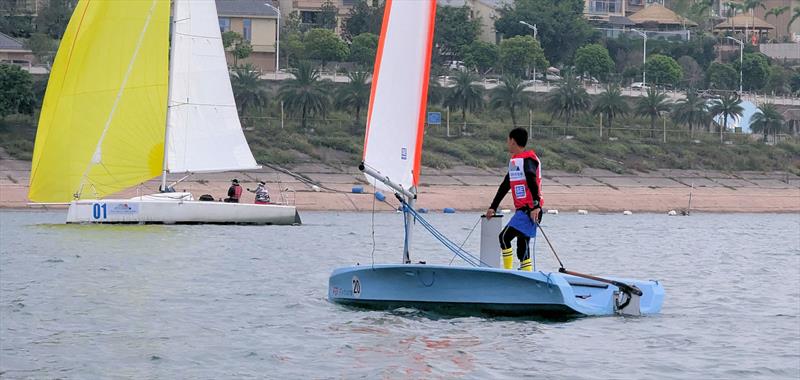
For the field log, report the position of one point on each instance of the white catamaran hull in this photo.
(480, 290)
(165, 210)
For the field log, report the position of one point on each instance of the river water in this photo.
(241, 302)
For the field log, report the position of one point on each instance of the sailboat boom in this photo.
(385, 180)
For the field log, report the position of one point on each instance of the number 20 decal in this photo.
(99, 211)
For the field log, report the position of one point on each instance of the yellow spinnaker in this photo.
(102, 123)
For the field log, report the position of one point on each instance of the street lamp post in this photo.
(741, 60)
(644, 57)
(277, 38)
(535, 33)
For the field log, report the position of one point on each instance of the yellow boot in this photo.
(525, 265)
(508, 258)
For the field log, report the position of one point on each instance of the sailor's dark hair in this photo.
(520, 136)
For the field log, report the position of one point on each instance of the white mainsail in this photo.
(393, 142)
(203, 129)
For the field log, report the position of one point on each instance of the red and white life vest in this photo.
(519, 187)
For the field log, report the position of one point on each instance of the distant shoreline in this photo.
(472, 189)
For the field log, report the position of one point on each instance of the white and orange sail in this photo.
(396, 118)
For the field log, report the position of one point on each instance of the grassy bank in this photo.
(629, 146)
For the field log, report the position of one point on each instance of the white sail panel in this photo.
(203, 129)
(393, 142)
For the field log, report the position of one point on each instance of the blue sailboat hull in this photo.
(479, 290)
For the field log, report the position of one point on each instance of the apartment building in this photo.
(257, 23)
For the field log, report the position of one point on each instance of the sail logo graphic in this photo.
(123, 208)
(403, 153)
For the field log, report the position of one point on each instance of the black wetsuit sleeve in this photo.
(505, 186)
(530, 178)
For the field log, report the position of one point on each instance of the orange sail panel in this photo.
(393, 142)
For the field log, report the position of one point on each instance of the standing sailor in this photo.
(262, 195)
(524, 179)
(234, 192)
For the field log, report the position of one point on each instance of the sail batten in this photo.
(102, 121)
(204, 132)
(396, 116)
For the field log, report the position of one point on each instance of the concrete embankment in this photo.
(323, 187)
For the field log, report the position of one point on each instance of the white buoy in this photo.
(552, 212)
(583, 212)
(672, 213)
(626, 212)
(315, 188)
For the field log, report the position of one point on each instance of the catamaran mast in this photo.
(172, 49)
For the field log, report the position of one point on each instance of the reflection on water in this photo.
(153, 301)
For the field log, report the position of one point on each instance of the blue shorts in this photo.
(523, 223)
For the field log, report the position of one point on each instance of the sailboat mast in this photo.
(409, 228)
(173, 31)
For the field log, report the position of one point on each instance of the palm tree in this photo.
(766, 121)
(248, 89)
(568, 99)
(750, 5)
(691, 110)
(795, 16)
(510, 95)
(653, 105)
(355, 94)
(465, 95)
(610, 104)
(305, 94)
(729, 105)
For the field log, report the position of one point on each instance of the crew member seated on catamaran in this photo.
(524, 179)
(262, 195)
(234, 192)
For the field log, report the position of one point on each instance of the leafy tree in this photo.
(593, 59)
(521, 53)
(728, 106)
(652, 106)
(610, 104)
(454, 30)
(305, 93)
(239, 47)
(767, 120)
(776, 11)
(778, 81)
(16, 91)
(510, 95)
(363, 49)
(16, 25)
(42, 46)
(795, 16)
(363, 18)
(326, 18)
(722, 76)
(354, 95)
(325, 45)
(755, 70)
(481, 56)
(663, 70)
(562, 27)
(693, 74)
(568, 99)
(794, 83)
(53, 18)
(292, 48)
(691, 110)
(248, 88)
(465, 95)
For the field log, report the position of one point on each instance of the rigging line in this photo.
(97, 150)
(467, 238)
(466, 256)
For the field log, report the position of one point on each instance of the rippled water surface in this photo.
(250, 302)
